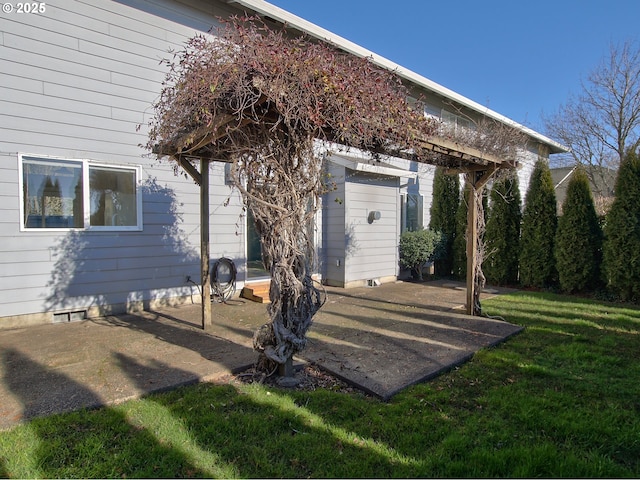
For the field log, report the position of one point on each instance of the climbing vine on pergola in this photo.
(264, 102)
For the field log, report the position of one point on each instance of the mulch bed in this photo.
(309, 378)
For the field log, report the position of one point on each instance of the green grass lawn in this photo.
(561, 399)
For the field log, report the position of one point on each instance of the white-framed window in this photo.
(411, 219)
(456, 121)
(60, 193)
(432, 112)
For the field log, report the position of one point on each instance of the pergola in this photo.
(191, 153)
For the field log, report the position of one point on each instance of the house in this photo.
(92, 224)
(601, 181)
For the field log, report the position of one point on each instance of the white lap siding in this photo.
(372, 247)
(356, 249)
(75, 82)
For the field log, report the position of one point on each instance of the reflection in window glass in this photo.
(52, 193)
(411, 215)
(456, 121)
(112, 196)
(60, 193)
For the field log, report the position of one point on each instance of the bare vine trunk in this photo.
(281, 186)
(294, 297)
(479, 280)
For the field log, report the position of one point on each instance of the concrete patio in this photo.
(380, 339)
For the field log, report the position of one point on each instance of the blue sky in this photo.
(519, 58)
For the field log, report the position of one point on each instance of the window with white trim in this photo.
(456, 121)
(80, 194)
(411, 205)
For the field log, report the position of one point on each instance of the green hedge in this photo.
(446, 195)
(539, 223)
(622, 233)
(502, 234)
(579, 238)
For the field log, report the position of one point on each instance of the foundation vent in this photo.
(64, 317)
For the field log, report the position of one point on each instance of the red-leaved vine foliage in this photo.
(264, 101)
(220, 88)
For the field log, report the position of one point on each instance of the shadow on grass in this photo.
(501, 415)
(273, 435)
(4, 473)
(86, 443)
(464, 425)
(257, 434)
(565, 313)
(199, 431)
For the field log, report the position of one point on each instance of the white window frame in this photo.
(404, 200)
(85, 165)
(456, 121)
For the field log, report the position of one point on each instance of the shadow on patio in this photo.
(380, 339)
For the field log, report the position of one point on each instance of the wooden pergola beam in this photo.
(190, 169)
(456, 150)
(471, 158)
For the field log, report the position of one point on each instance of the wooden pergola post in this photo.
(472, 234)
(204, 243)
(476, 180)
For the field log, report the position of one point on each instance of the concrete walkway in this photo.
(380, 339)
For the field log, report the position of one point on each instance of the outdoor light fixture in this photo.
(373, 216)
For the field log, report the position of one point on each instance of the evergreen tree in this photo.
(460, 240)
(578, 248)
(446, 195)
(459, 247)
(539, 222)
(502, 235)
(622, 233)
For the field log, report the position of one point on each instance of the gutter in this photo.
(565, 178)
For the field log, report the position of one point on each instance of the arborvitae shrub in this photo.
(578, 248)
(460, 241)
(502, 235)
(446, 195)
(459, 247)
(539, 222)
(622, 233)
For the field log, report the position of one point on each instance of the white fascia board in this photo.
(264, 8)
(361, 165)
